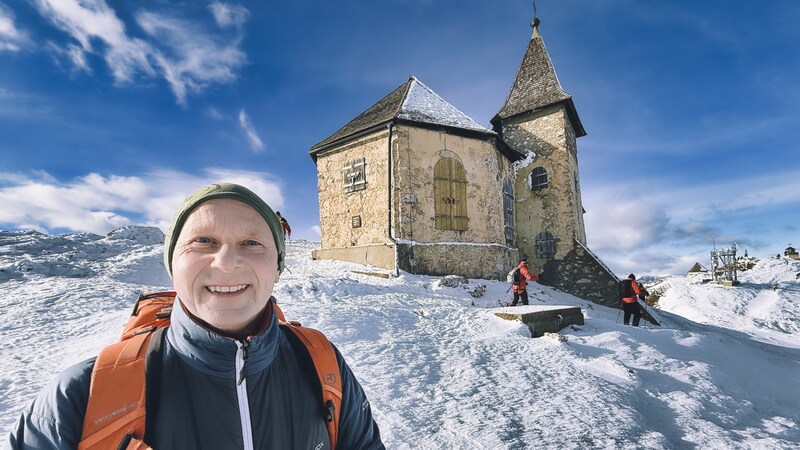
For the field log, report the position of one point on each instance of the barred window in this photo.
(354, 175)
(545, 245)
(508, 210)
(538, 178)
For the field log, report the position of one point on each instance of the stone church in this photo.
(412, 183)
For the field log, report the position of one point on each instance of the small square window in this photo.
(354, 175)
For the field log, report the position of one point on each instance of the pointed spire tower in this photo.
(536, 86)
(539, 118)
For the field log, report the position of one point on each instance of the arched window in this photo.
(545, 245)
(538, 178)
(508, 210)
(450, 192)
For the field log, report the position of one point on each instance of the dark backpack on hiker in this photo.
(625, 289)
(513, 276)
(118, 396)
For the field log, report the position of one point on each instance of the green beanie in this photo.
(216, 191)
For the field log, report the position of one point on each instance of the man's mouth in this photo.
(227, 289)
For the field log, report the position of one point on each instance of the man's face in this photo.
(225, 265)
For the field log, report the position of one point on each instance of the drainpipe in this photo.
(389, 209)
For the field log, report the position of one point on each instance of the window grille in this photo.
(545, 245)
(354, 175)
(538, 178)
(508, 210)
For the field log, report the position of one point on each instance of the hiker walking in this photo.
(287, 230)
(520, 282)
(629, 291)
(227, 375)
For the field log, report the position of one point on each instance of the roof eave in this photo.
(317, 149)
(569, 106)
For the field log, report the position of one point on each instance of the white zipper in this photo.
(241, 395)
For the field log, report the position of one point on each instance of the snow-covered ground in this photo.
(440, 369)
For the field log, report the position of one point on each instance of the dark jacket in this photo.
(202, 403)
(636, 292)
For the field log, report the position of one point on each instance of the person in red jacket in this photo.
(287, 230)
(521, 287)
(629, 303)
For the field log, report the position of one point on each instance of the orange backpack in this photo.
(116, 417)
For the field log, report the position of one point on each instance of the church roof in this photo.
(537, 86)
(413, 102)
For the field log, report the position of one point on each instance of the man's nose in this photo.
(227, 258)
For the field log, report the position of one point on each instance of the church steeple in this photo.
(537, 85)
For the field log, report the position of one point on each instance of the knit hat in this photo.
(217, 191)
(631, 277)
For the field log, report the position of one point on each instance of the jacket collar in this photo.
(214, 354)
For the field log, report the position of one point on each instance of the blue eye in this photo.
(251, 242)
(203, 240)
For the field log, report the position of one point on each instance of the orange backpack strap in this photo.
(116, 411)
(323, 357)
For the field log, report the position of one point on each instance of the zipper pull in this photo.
(245, 347)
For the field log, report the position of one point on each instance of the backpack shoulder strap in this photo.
(323, 358)
(117, 410)
(123, 377)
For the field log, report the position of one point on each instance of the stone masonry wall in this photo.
(471, 261)
(581, 275)
(337, 208)
(556, 208)
(416, 151)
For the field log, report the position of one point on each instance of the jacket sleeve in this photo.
(55, 418)
(636, 289)
(527, 274)
(357, 429)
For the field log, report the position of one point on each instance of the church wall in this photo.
(416, 151)
(556, 208)
(338, 208)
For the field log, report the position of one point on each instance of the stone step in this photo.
(543, 319)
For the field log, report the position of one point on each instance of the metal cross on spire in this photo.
(535, 22)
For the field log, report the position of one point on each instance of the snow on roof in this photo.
(421, 104)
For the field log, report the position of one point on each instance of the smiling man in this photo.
(230, 376)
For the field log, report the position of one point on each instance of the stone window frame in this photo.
(538, 179)
(354, 176)
(546, 245)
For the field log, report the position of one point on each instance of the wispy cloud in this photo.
(229, 15)
(250, 132)
(190, 60)
(97, 203)
(181, 51)
(11, 38)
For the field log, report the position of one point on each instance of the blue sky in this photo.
(112, 112)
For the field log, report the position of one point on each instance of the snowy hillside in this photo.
(440, 369)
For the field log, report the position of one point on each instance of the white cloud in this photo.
(11, 38)
(229, 15)
(180, 51)
(190, 60)
(96, 203)
(250, 132)
(316, 231)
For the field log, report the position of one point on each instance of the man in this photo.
(521, 286)
(631, 290)
(229, 378)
